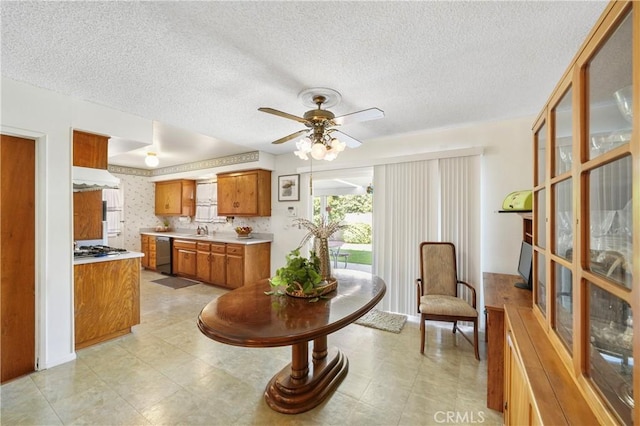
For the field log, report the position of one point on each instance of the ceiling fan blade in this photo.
(291, 136)
(283, 114)
(343, 137)
(359, 116)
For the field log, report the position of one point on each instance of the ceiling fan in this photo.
(321, 138)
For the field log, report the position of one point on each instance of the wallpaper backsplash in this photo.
(139, 213)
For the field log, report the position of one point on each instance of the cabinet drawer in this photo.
(218, 248)
(203, 246)
(187, 245)
(235, 249)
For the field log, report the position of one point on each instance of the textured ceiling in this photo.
(206, 67)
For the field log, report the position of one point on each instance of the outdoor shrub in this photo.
(357, 233)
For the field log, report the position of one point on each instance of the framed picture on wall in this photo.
(289, 188)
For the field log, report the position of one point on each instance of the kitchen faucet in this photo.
(203, 229)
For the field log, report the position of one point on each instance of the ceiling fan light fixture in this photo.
(318, 151)
(338, 145)
(151, 160)
(331, 155)
(321, 123)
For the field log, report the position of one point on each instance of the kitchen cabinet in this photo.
(175, 198)
(148, 245)
(586, 215)
(87, 215)
(232, 265)
(246, 193)
(89, 150)
(235, 266)
(203, 262)
(218, 264)
(185, 258)
(106, 300)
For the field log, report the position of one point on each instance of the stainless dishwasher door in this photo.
(163, 255)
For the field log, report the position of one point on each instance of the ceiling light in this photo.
(320, 145)
(151, 159)
(318, 151)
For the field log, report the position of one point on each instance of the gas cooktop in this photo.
(97, 251)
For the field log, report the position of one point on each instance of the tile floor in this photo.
(166, 372)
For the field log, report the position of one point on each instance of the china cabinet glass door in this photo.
(608, 262)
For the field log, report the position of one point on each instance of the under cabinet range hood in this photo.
(87, 179)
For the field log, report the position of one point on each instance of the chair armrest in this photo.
(419, 289)
(473, 291)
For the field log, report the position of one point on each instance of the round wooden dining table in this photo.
(248, 317)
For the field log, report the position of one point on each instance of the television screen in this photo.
(525, 265)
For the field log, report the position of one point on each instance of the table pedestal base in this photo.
(291, 391)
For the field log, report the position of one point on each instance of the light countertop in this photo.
(214, 238)
(109, 258)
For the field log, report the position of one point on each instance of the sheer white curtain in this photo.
(433, 200)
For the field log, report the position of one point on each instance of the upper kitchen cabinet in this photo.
(246, 193)
(90, 150)
(175, 198)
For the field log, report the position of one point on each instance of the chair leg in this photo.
(455, 325)
(475, 339)
(422, 333)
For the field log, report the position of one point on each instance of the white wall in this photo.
(506, 166)
(49, 118)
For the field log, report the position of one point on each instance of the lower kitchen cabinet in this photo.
(232, 265)
(218, 262)
(148, 247)
(106, 300)
(185, 258)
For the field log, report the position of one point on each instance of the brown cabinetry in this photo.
(148, 247)
(203, 262)
(538, 389)
(518, 409)
(184, 258)
(218, 264)
(586, 216)
(89, 150)
(225, 265)
(175, 198)
(106, 300)
(499, 290)
(246, 193)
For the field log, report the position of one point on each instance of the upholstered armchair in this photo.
(439, 291)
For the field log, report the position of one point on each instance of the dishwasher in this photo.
(163, 255)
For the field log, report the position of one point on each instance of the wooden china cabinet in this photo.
(586, 235)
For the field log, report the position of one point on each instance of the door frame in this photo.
(40, 234)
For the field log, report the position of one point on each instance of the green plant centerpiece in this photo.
(308, 277)
(300, 276)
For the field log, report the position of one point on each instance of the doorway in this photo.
(17, 256)
(347, 196)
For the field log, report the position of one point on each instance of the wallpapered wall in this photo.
(139, 207)
(139, 204)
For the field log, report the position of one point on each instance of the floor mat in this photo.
(381, 320)
(175, 282)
